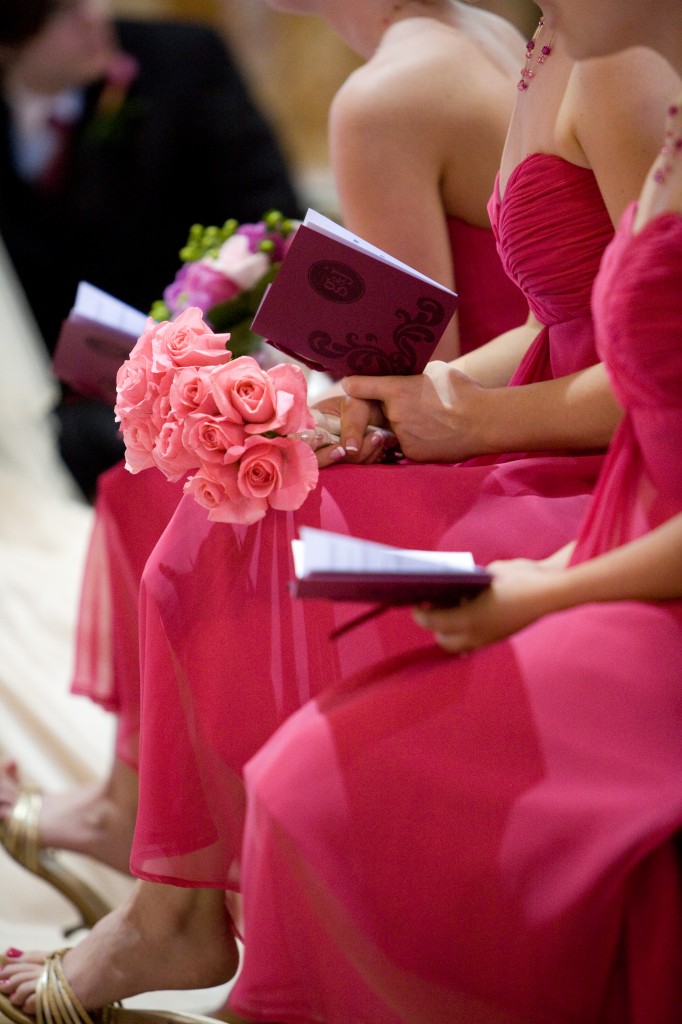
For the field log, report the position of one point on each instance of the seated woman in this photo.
(431, 112)
(496, 837)
(203, 712)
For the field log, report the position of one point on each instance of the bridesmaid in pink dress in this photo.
(446, 234)
(495, 837)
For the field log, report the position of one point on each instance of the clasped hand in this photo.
(436, 416)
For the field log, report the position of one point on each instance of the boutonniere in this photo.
(114, 107)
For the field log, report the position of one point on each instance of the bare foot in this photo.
(97, 820)
(163, 938)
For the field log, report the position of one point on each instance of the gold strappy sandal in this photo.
(19, 836)
(57, 1003)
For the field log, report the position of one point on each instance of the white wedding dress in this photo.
(57, 739)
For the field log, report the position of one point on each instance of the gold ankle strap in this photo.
(21, 828)
(56, 1001)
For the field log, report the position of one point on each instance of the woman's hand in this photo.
(326, 441)
(520, 593)
(437, 416)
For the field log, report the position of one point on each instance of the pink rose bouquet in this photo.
(225, 273)
(186, 405)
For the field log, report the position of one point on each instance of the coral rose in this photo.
(216, 489)
(279, 469)
(213, 438)
(187, 341)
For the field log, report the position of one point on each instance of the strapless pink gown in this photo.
(495, 837)
(228, 655)
(490, 302)
(131, 512)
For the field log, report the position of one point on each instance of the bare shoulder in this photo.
(429, 74)
(614, 112)
(637, 79)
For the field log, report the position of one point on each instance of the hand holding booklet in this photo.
(344, 306)
(350, 569)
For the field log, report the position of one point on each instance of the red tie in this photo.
(52, 177)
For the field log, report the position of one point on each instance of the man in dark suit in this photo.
(114, 138)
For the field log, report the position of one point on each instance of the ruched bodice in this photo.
(489, 301)
(641, 483)
(633, 293)
(551, 228)
(552, 257)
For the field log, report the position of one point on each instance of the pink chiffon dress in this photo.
(131, 512)
(228, 654)
(495, 837)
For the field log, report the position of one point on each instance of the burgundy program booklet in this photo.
(94, 340)
(340, 304)
(344, 568)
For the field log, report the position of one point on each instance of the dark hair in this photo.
(22, 19)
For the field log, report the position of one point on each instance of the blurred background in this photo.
(294, 66)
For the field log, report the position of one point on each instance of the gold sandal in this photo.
(57, 1003)
(19, 837)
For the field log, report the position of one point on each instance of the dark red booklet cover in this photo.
(88, 356)
(338, 308)
(445, 588)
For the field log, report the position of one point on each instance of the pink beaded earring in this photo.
(527, 72)
(671, 148)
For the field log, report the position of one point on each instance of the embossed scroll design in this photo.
(368, 356)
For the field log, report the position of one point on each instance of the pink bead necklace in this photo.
(671, 148)
(527, 71)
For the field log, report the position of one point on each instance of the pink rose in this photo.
(133, 389)
(188, 341)
(160, 411)
(192, 391)
(290, 380)
(139, 437)
(264, 400)
(142, 349)
(215, 488)
(213, 438)
(281, 470)
(244, 392)
(169, 452)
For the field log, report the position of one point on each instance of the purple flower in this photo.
(198, 284)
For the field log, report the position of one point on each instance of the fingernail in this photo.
(376, 439)
(352, 445)
(14, 952)
(337, 453)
